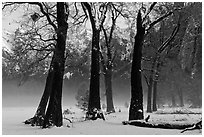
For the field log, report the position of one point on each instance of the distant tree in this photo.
(96, 24)
(108, 58)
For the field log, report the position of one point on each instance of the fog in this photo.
(29, 94)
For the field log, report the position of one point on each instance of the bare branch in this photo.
(120, 12)
(39, 60)
(6, 4)
(42, 10)
(87, 6)
(77, 11)
(114, 55)
(45, 40)
(43, 48)
(103, 15)
(161, 18)
(165, 44)
(150, 9)
(78, 21)
(112, 27)
(146, 79)
(105, 34)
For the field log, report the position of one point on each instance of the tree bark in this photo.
(94, 95)
(37, 120)
(150, 88)
(94, 105)
(109, 94)
(54, 111)
(136, 105)
(54, 81)
(154, 107)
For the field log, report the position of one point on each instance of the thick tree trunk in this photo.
(46, 94)
(94, 106)
(54, 81)
(136, 105)
(94, 95)
(109, 94)
(54, 111)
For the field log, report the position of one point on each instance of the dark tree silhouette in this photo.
(136, 104)
(54, 81)
(54, 110)
(94, 95)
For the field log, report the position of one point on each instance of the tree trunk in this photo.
(173, 100)
(54, 111)
(154, 107)
(156, 78)
(136, 105)
(37, 120)
(94, 106)
(54, 81)
(149, 96)
(109, 94)
(180, 94)
(150, 87)
(94, 95)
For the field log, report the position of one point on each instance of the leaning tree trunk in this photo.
(53, 87)
(109, 92)
(54, 111)
(94, 94)
(136, 104)
(37, 120)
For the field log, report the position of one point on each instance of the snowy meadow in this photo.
(13, 117)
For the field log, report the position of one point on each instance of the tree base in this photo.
(109, 112)
(142, 123)
(35, 121)
(94, 115)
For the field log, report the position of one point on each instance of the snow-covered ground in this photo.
(12, 118)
